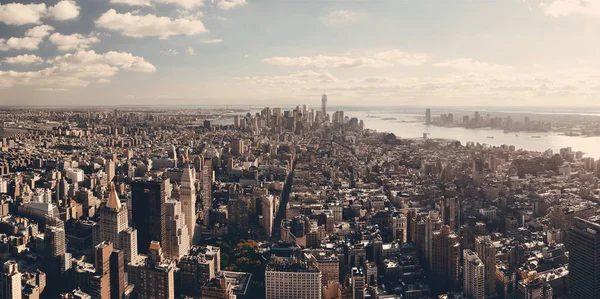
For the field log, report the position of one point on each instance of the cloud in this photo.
(296, 78)
(39, 31)
(170, 52)
(212, 41)
(340, 17)
(183, 3)
(230, 4)
(23, 59)
(148, 25)
(77, 70)
(468, 64)
(72, 42)
(132, 2)
(32, 40)
(376, 59)
(561, 8)
(64, 10)
(191, 51)
(22, 14)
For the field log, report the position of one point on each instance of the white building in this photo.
(473, 275)
(75, 174)
(292, 278)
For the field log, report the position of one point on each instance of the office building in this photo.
(100, 282)
(207, 181)
(10, 280)
(200, 265)
(129, 243)
(109, 168)
(187, 197)
(473, 275)
(324, 107)
(428, 116)
(113, 219)
(487, 253)
(148, 198)
(292, 277)
(268, 216)
(218, 288)
(177, 241)
(153, 276)
(584, 268)
(117, 274)
(445, 262)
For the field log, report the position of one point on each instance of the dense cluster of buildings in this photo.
(145, 204)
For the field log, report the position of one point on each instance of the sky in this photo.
(288, 52)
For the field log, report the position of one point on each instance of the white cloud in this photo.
(296, 78)
(212, 41)
(229, 4)
(183, 3)
(191, 51)
(64, 10)
(148, 25)
(376, 59)
(32, 40)
(22, 14)
(77, 70)
(340, 17)
(468, 64)
(132, 2)
(170, 52)
(23, 59)
(560, 8)
(39, 31)
(72, 42)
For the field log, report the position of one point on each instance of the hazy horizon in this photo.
(268, 52)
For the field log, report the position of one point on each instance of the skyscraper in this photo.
(153, 276)
(207, 180)
(487, 253)
(109, 168)
(445, 262)
(267, 214)
(148, 198)
(473, 275)
(187, 196)
(428, 116)
(324, 106)
(177, 241)
(10, 280)
(113, 219)
(584, 269)
(117, 274)
(100, 281)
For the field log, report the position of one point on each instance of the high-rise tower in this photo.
(148, 198)
(113, 219)
(473, 275)
(187, 196)
(583, 259)
(324, 106)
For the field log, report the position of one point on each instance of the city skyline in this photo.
(194, 52)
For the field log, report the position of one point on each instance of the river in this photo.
(413, 127)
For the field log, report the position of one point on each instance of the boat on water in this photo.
(490, 137)
(536, 136)
(389, 118)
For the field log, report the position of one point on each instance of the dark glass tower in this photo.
(147, 199)
(584, 258)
